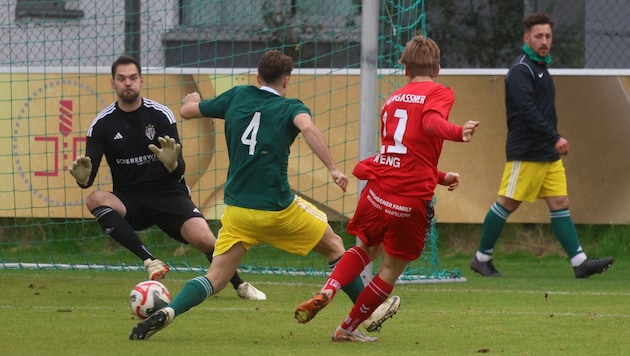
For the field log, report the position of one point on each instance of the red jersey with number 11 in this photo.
(414, 124)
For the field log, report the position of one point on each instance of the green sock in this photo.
(564, 229)
(194, 292)
(352, 289)
(492, 227)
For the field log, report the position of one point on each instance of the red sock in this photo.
(370, 298)
(349, 267)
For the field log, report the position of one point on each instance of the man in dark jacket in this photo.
(534, 169)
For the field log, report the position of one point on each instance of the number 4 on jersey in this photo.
(249, 135)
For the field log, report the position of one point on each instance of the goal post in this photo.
(427, 267)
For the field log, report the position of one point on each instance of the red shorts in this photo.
(401, 223)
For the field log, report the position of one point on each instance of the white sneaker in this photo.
(248, 291)
(345, 335)
(382, 313)
(156, 268)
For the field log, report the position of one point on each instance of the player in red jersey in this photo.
(395, 209)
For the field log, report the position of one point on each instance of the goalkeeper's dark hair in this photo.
(274, 66)
(538, 18)
(124, 59)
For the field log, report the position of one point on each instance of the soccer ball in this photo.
(148, 297)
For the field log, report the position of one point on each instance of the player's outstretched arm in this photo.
(315, 140)
(437, 125)
(81, 169)
(169, 152)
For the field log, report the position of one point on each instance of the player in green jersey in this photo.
(260, 127)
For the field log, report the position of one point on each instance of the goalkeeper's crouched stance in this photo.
(140, 141)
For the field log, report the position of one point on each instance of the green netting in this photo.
(55, 78)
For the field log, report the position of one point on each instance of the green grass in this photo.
(537, 308)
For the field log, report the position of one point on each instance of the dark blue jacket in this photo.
(531, 112)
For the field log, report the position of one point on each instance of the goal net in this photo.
(55, 78)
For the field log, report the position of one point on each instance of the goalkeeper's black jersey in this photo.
(124, 137)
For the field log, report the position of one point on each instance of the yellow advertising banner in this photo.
(44, 118)
(49, 114)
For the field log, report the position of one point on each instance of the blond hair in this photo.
(421, 57)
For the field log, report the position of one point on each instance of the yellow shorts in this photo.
(296, 229)
(528, 181)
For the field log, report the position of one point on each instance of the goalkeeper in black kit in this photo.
(139, 139)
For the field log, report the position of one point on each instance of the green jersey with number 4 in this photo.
(259, 132)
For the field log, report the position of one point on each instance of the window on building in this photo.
(50, 9)
(257, 13)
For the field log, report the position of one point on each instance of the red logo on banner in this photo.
(42, 148)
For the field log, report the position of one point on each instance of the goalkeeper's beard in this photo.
(129, 97)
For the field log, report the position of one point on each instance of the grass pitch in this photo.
(537, 308)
